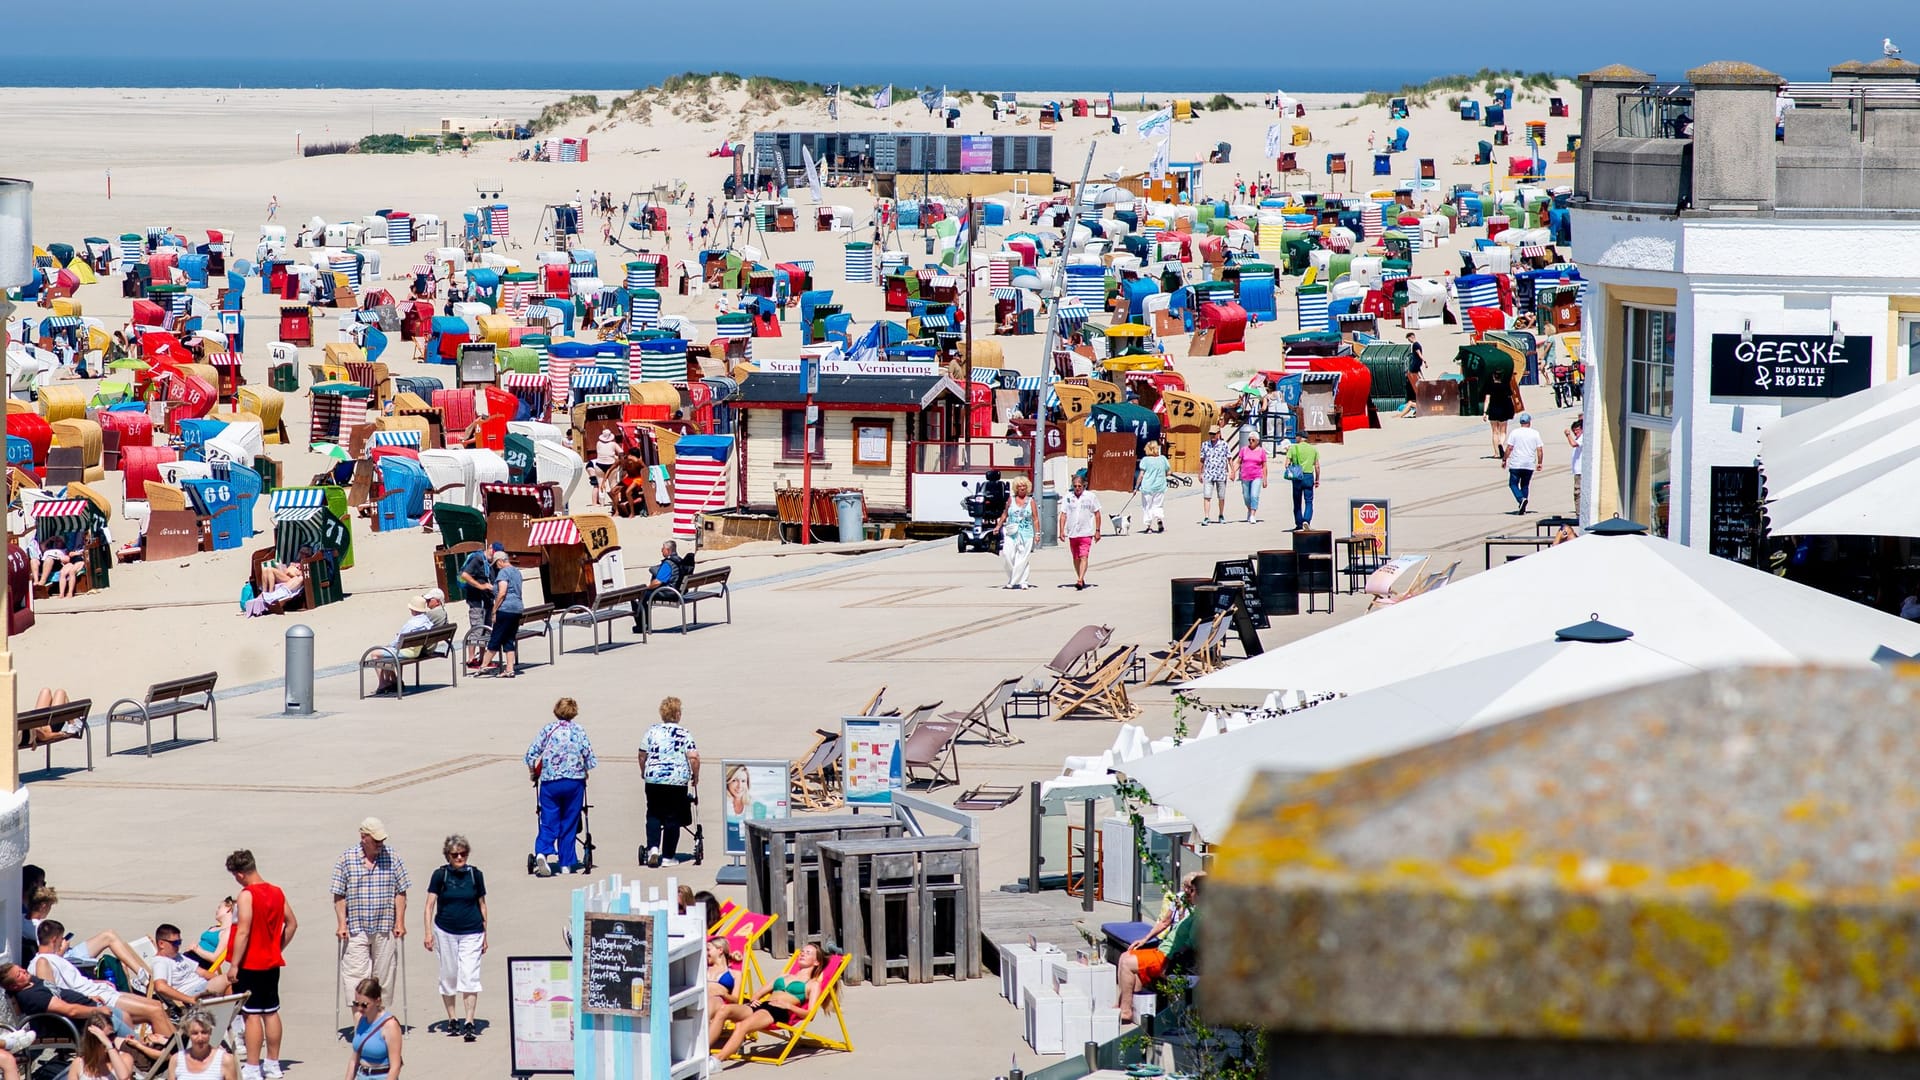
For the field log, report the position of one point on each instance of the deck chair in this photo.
(1076, 657)
(1425, 585)
(872, 707)
(915, 718)
(222, 1009)
(1101, 692)
(930, 746)
(814, 785)
(742, 936)
(827, 1000)
(980, 718)
(1178, 659)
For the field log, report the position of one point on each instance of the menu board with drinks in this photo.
(617, 977)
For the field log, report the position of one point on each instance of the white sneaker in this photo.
(16, 1041)
(249, 1072)
(269, 1068)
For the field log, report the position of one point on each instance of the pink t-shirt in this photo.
(1253, 462)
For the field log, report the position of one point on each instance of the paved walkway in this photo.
(141, 841)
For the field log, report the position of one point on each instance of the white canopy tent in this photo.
(1846, 467)
(1679, 601)
(1205, 779)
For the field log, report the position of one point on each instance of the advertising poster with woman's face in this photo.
(755, 791)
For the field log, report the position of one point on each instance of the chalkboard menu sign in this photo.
(1736, 527)
(617, 977)
(1240, 572)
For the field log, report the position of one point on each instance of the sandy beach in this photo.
(819, 628)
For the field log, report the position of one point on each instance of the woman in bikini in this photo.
(784, 999)
(723, 985)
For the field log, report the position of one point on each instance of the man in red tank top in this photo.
(263, 925)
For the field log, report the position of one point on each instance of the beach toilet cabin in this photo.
(1556, 107)
(876, 434)
(1396, 108)
(1470, 110)
(1495, 116)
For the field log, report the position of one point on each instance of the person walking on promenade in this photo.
(1214, 456)
(1303, 471)
(263, 927)
(1416, 363)
(1253, 475)
(1526, 452)
(376, 1035)
(456, 918)
(1016, 534)
(504, 644)
(370, 886)
(558, 761)
(1080, 515)
(1152, 488)
(670, 768)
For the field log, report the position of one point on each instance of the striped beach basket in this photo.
(1088, 285)
(397, 438)
(1372, 220)
(662, 360)
(1478, 290)
(859, 264)
(1311, 309)
(350, 266)
(399, 230)
(515, 295)
(643, 309)
(642, 274)
(699, 478)
(1271, 239)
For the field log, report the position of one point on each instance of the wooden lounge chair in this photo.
(1178, 659)
(1101, 692)
(800, 1030)
(980, 718)
(1076, 657)
(930, 747)
(815, 783)
(873, 703)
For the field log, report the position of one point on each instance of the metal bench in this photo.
(430, 642)
(623, 602)
(164, 700)
(710, 584)
(59, 716)
(537, 622)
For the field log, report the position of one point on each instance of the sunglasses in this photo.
(358, 1004)
(168, 941)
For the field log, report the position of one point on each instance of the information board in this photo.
(1372, 517)
(540, 1018)
(1733, 513)
(870, 759)
(617, 949)
(976, 153)
(1241, 572)
(753, 791)
(1789, 365)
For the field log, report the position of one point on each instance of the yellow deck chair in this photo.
(801, 1029)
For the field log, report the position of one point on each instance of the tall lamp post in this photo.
(16, 270)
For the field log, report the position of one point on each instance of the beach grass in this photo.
(1486, 79)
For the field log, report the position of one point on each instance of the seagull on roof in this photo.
(1888, 47)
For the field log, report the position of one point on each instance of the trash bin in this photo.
(1049, 519)
(850, 509)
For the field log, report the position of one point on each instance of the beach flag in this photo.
(833, 101)
(1276, 140)
(813, 172)
(872, 345)
(962, 241)
(884, 99)
(1155, 125)
(933, 99)
(1157, 168)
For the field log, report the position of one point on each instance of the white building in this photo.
(16, 269)
(1749, 258)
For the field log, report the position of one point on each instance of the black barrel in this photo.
(1212, 599)
(1279, 576)
(1314, 547)
(1184, 611)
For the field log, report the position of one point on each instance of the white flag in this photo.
(813, 174)
(884, 99)
(1276, 140)
(1155, 125)
(1157, 169)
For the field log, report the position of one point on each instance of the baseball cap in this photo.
(499, 547)
(372, 827)
(418, 605)
(1525, 418)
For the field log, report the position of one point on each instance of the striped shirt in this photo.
(370, 890)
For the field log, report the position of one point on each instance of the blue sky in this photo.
(1114, 36)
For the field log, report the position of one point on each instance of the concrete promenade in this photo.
(140, 841)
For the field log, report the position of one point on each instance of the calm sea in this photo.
(416, 73)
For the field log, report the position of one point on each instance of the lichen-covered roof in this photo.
(1616, 73)
(1731, 71)
(1732, 857)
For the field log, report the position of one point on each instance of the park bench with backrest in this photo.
(609, 605)
(55, 718)
(414, 649)
(166, 700)
(708, 584)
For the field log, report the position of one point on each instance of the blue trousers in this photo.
(560, 802)
(1303, 503)
(1519, 481)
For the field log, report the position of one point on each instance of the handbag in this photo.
(540, 759)
(1294, 472)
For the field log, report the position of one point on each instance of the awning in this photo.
(524, 380)
(1002, 292)
(224, 359)
(553, 531)
(529, 490)
(397, 438)
(1533, 251)
(296, 499)
(935, 322)
(1319, 377)
(592, 379)
(988, 376)
(1074, 313)
(298, 513)
(60, 508)
(943, 281)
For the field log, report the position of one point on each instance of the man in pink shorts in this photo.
(1080, 514)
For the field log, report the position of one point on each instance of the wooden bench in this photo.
(58, 716)
(163, 700)
(429, 642)
(709, 584)
(609, 605)
(536, 622)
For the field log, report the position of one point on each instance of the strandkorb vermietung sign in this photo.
(1789, 365)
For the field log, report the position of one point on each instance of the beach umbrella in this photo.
(327, 449)
(1205, 778)
(1681, 602)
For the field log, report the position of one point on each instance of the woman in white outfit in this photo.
(1152, 488)
(457, 919)
(1016, 534)
(203, 1058)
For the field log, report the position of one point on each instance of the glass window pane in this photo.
(1650, 477)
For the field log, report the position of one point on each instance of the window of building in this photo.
(1650, 350)
(1910, 344)
(792, 424)
(1650, 477)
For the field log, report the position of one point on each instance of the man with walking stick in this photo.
(370, 909)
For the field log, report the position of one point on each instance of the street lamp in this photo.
(16, 269)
